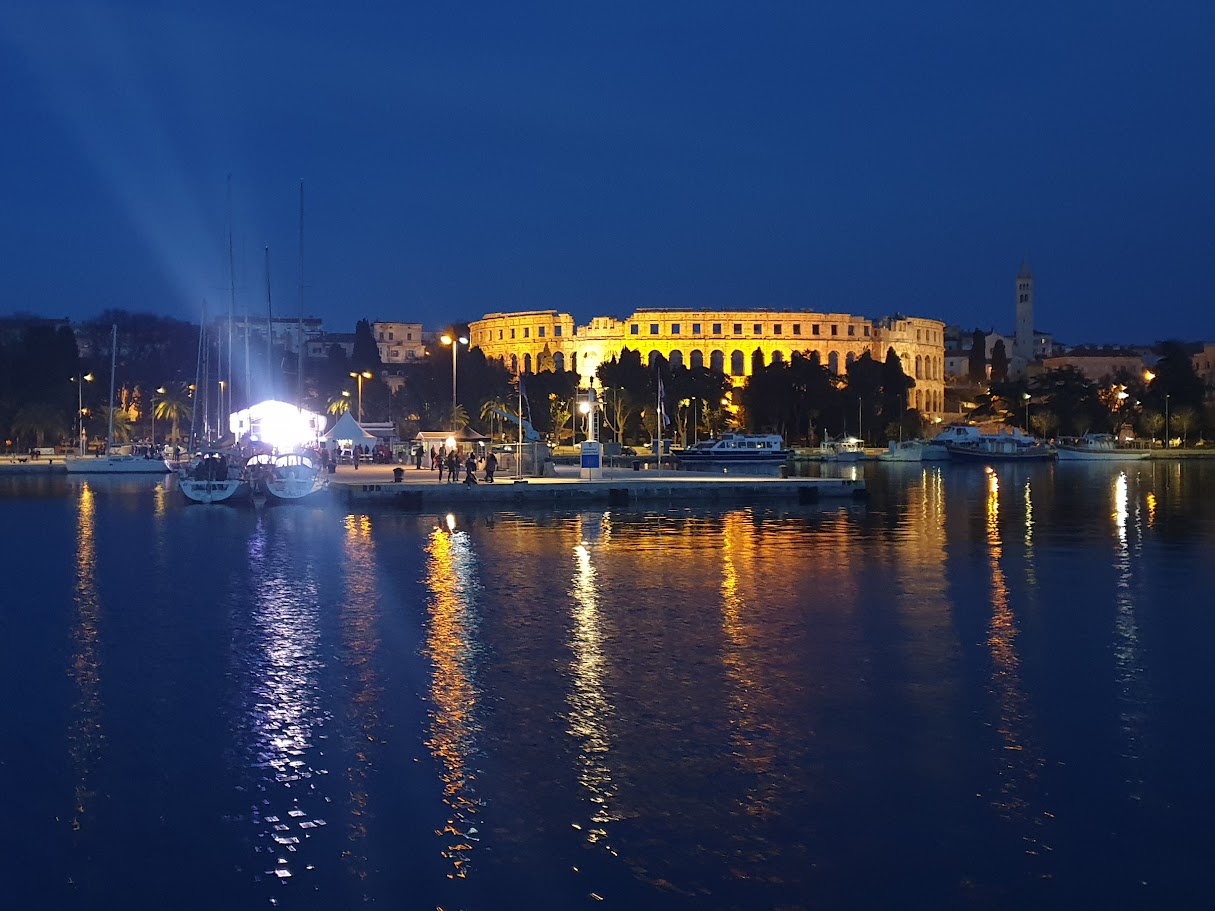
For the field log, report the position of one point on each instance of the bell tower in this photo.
(1023, 341)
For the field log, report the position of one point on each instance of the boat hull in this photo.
(201, 491)
(1069, 454)
(737, 457)
(978, 454)
(121, 464)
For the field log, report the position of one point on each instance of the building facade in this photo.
(726, 341)
(399, 343)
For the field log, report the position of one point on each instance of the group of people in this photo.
(447, 461)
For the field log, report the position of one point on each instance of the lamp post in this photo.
(1025, 395)
(1168, 439)
(363, 375)
(80, 381)
(219, 416)
(454, 343)
(161, 390)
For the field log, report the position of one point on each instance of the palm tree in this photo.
(174, 406)
(122, 422)
(459, 418)
(339, 404)
(491, 411)
(39, 420)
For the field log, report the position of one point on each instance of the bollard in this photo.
(784, 471)
(637, 465)
(397, 475)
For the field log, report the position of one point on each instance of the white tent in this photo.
(347, 428)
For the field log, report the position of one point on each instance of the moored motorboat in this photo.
(1097, 447)
(846, 449)
(1005, 446)
(915, 451)
(735, 449)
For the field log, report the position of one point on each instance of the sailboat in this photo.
(110, 463)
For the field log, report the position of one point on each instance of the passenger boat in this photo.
(211, 479)
(735, 449)
(1097, 447)
(293, 476)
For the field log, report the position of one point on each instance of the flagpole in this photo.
(519, 460)
(658, 422)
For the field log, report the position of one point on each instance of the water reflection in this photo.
(283, 718)
(361, 643)
(1019, 763)
(590, 713)
(85, 736)
(1128, 656)
(455, 697)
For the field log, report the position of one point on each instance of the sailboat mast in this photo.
(269, 324)
(299, 360)
(109, 439)
(231, 296)
(202, 332)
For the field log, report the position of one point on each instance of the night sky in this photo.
(465, 158)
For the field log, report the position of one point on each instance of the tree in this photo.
(977, 365)
(559, 412)
(39, 421)
(366, 353)
(338, 404)
(174, 406)
(1183, 421)
(999, 362)
(491, 412)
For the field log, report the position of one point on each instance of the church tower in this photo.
(1023, 342)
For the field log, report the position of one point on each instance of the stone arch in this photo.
(675, 358)
(514, 363)
(651, 358)
(717, 361)
(849, 360)
(558, 361)
(697, 359)
(738, 363)
(919, 403)
(833, 362)
(527, 363)
(778, 357)
(919, 364)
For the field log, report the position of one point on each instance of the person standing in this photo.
(470, 469)
(453, 467)
(491, 465)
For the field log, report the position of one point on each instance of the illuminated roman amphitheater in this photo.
(727, 341)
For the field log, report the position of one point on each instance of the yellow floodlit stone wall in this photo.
(722, 340)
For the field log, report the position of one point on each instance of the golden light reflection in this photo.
(361, 644)
(754, 747)
(1151, 509)
(455, 698)
(1019, 762)
(590, 713)
(85, 736)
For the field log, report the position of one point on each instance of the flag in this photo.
(662, 404)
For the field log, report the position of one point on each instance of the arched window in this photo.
(833, 362)
(778, 357)
(676, 359)
(919, 372)
(558, 361)
(717, 362)
(527, 363)
(738, 363)
(697, 359)
(653, 356)
(848, 360)
(514, 363)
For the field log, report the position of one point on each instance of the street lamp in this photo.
(1025, 395)
(80, 381)
(219, 418)
(455, 343)
(161, 390)
(364, 375)
(1168, 440)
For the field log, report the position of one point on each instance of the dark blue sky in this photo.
(465, 158)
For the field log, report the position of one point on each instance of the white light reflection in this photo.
(283, 716)
(455, 697)
(85, 736)
(590, 713)
(1128, 658)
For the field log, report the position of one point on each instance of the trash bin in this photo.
(636, 464)
(397, 475)
(784, 471)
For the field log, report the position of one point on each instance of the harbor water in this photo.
(982, 688)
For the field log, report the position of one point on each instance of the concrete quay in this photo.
(421, 491)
